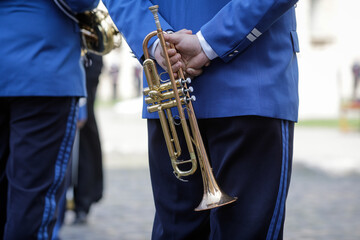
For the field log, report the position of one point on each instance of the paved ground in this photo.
(323, 202)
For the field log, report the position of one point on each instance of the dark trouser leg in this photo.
(41, 137)
(251, 158)
(175, 200)
(4, 154)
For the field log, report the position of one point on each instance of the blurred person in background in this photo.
(114, 75)
(246, 104)
(88, 187)
(356, 77)
(41, 80)
(137, 78)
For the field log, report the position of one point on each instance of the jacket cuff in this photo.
(209, 52)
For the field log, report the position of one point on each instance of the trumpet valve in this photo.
(189, 90)
(187, 81)
(190, 99)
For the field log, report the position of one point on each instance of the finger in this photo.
(194, 72)
(174, 38)
(186, 31)
(176, 58)
(177, 66)
(172, 52)
(174, 67)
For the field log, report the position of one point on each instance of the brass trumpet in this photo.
(161, 97)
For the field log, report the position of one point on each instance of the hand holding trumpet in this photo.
(187, 54)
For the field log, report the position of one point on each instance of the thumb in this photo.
(194, 72)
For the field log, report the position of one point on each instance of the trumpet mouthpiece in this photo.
(154, 10)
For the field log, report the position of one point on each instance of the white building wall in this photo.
(325, 69)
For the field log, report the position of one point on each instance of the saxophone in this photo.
(99, 34)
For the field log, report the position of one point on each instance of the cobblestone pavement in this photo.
(323, 202)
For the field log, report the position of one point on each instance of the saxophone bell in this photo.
(99, 34)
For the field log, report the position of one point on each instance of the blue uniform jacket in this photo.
(256, 72)
(40, 49)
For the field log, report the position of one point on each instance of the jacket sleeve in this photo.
(240, 23)
(134, 20)
(81, 5)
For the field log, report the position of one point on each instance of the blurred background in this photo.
(324, 196)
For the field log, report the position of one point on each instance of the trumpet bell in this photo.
(214, 199)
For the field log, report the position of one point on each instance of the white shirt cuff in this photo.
(153, 47)
(209, 52)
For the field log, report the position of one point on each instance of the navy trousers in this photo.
(251, 158)
(36, 137)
